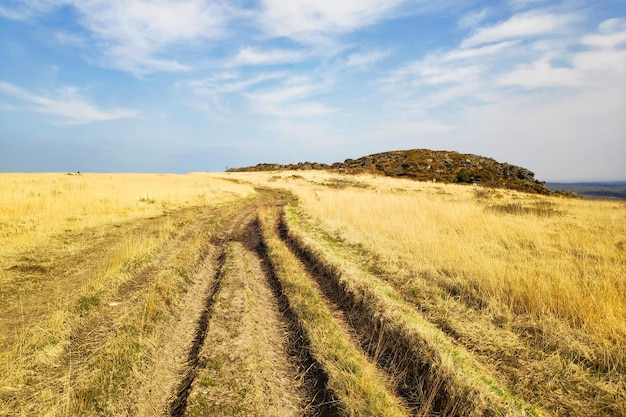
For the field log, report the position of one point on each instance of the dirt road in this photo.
(200, 325)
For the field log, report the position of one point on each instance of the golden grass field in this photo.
(139, 294)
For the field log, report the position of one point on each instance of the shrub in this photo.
(463, 177)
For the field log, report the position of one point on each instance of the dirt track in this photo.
(224, 341)
(240, 362)
(248, 354)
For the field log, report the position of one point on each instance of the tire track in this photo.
(354, 384)
(322, 402)
(179, 404)
(91, 337)
(233, 229)
(369, 336)
(243, 231)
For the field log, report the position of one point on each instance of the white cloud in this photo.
(254, 56)
(312, 21)
(603, 64)
(138, 36)
(432, 70)
(472, 19)
(494, 57)
(602, 61)
(483, 51)
(541, 74)
(605, 41)
(440, 75)
(67, 105)
(365, 59)
(519, 26)
(231, 82)
(216, 91)
(291, 99)
(611, 33)
(518, 98)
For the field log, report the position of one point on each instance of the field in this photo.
(284, 294)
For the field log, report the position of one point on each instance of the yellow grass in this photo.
(532, 287)
(360, 388)
(562, 261)
(68, 243)
(35, 206)
(441, 376)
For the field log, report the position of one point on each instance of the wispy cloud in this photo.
(523, 4)
(65, 104)
(519, 26)
(525, 87)
(290, 99)
(313, 21)
(138, 36)
(541, 74)
(231, 82)
(611, 34)
(483, 51)
(603, 62)
(255, 56)
(510, 53)
(365, 59)
(472, 19)
(218, 90)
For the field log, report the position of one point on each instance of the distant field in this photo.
(606, 190)
(308, 293)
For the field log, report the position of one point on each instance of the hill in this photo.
(427, 165)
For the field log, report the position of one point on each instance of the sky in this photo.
(198, 85)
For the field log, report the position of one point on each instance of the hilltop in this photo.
(427, 165)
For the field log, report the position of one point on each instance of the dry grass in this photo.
(529, 282)
(34, 207)
(361, 390)
(514, 294)
(438, 377)
(91, 266)
(566, 261)
(569, 267)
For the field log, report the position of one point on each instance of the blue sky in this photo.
(194, 85)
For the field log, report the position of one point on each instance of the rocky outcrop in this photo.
(429, 165)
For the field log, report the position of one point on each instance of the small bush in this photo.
(463, 177)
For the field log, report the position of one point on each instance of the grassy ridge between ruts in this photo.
(437, 375)
(360, 389)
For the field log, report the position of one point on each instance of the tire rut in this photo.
(233, 229)
(321, 400)
(244, 229)
(179, 404)
(359, 328)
